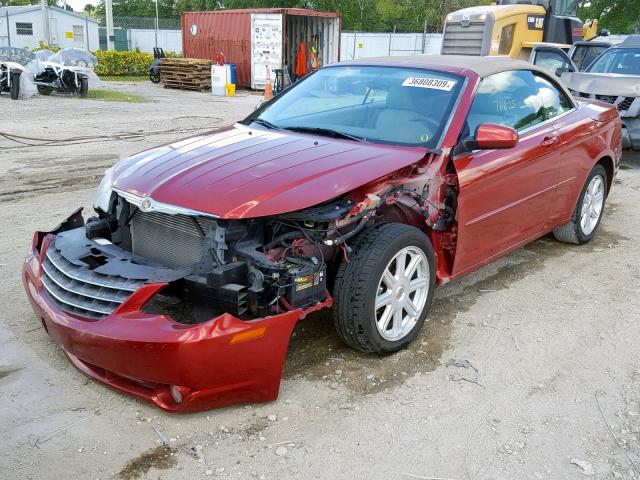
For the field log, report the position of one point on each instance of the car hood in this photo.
(241, 172)
(603, 83)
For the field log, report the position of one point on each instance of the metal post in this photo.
(45, 22)
(6, 12)
(355, 35)
(109, 15)
(157, 21)
(424, 36)
(86, 29)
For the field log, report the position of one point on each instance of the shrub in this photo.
(44, 46)
(122, 63)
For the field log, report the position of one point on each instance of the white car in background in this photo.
(602, 72)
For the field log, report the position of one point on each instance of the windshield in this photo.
(624, 61)
(568, 8)
(397, 106)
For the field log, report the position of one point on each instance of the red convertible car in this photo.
(360, 188)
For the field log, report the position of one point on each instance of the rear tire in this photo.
(83, 91)
(587, 214)
(380, 302)
(14, 89)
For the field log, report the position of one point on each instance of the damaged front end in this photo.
(191, 311)
(182, 309)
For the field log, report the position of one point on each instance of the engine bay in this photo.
(248, 268)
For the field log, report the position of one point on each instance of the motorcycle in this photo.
(16, 66)
(67, 71)
(154, 69)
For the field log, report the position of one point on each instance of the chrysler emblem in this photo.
(465, 21)
(146, 205)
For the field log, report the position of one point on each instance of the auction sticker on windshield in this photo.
(426, 82)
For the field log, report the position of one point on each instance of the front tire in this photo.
(14, 89)
(83, 90)
(588, 212)
(383, 294)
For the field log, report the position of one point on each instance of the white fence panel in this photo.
(144, 40)
(354, 45)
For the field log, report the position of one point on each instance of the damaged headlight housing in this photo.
(103, 194)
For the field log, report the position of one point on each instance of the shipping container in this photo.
(261, 38)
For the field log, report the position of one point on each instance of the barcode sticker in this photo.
(425, 82)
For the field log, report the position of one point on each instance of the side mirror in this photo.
(603, 33)
(559, 71)
(490, 136)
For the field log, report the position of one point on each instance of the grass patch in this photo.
(130, 78)
(112, 96)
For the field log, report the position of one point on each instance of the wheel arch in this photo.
(607, 162)
(442, 242)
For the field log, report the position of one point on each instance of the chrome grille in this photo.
(172, 240)
(625, 104)
(81, 291)
(606, 98)
(459, 40)
(622, 103)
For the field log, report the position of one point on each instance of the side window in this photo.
(583, 55)
(553, 100)
(552, 60)
(506, 39)
(508, 98)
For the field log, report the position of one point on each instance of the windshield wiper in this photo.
(265, 123)
(327, 132)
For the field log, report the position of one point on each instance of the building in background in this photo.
(23, 27)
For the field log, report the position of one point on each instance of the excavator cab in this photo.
(515, 27)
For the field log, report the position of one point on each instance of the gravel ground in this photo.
(527, 369)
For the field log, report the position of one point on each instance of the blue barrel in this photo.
(232, 68)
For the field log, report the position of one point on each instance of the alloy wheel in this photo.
(402, 293)
(592, 205)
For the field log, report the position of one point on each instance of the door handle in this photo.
(549, 140)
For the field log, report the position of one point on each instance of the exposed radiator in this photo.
(172, 240)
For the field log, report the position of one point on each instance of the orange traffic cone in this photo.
(268, 89)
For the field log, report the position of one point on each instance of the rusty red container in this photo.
(260, 39)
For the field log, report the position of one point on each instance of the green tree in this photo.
(618, 16)
(359, 15)
(139, 8)
(11, 3)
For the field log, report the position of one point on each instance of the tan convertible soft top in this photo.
(483, 66)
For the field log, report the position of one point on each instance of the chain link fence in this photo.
(139, 33)
(355, 45)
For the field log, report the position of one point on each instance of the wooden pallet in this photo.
(186, 73)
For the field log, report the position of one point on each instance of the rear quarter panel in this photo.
(594, 136)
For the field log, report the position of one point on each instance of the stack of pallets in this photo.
(186, 73)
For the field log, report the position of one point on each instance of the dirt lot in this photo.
(528, 369)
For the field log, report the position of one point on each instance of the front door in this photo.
(508, 197)
(582, 54)
(553, 59)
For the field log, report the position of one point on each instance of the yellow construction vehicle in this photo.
(515, 28)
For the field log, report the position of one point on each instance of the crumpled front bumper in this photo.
(220, 362)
